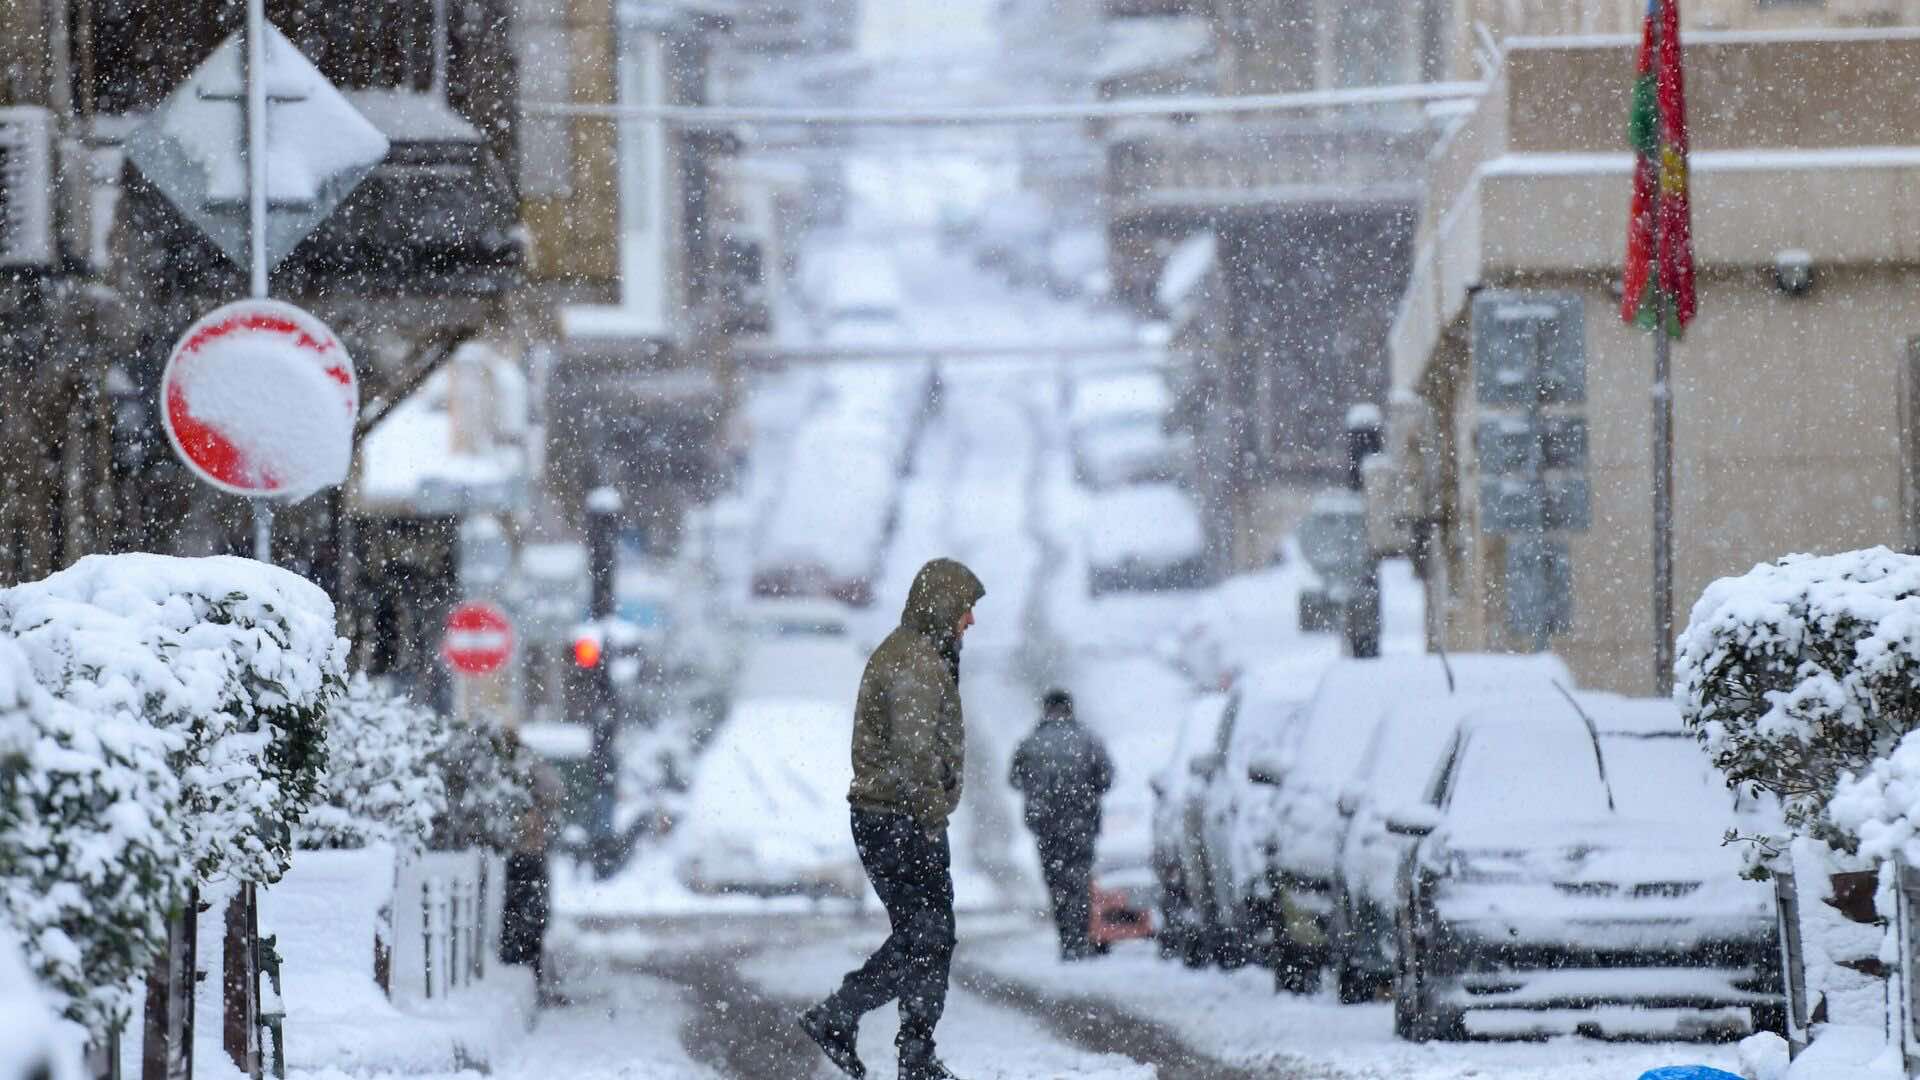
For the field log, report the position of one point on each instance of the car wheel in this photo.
(1770, 1018)
(1231, 951)
(1431, 1021)
(1196, 949)
(1356, 987)
(1296, 973)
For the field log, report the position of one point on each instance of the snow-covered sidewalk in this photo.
(1238, 1018)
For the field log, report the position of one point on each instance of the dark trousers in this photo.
(1066, 861)
(913, 874)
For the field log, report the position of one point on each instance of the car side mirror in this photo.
(1264, 771)
(1415, 821)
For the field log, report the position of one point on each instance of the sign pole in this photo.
(241, 959)
(256, 109)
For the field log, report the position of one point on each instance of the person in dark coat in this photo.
(525, 907)
(908, 756)
(1063, 770)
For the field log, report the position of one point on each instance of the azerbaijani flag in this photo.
(1658, 278)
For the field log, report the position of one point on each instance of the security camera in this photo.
(1793, 271)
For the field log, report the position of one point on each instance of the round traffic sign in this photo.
(479, 638)
(259, 398)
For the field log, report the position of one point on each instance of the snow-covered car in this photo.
(1562, 867)
(1237, 858)
(1178, 790)
(1120, 452)
(773, 619)
(1395, 769)
(1144, 539)
(1117, 430)
(1351, 700)
(767, 813)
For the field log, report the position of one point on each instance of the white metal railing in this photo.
(444, 918)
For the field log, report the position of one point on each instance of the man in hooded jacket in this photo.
(1063, 770)
(908, 757)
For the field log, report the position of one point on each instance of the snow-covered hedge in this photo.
(1881, 806)
(487, 792)
(33, 1045)
(91, 844)
(383, 782)
(1804, 670)
(236, 658)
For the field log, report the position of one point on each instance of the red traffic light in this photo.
(586, 652)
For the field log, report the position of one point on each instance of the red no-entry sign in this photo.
(479, 638)
(259, 398)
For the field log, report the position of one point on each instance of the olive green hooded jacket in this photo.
(909, 742)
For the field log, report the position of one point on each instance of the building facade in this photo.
(1313, 214)
(1794, 391)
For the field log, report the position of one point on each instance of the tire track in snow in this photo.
(1100, 1027)
(734, 1028)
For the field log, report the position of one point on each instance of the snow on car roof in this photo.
(1355, 695)
(1130, 393)
(1634, 716)
(1155, 522)
(1200, 728)
(819, 669)
(1409, 746)
(1521, 763)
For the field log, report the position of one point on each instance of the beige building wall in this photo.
(1503, 19)
(576, 233)
(1788, 409)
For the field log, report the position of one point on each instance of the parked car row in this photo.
(830, 524)
(1142, 532)
(1499, 852)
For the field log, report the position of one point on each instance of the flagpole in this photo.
(1662, 502)
(1662, 444)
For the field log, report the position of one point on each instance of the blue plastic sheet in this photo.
(1688, 1072)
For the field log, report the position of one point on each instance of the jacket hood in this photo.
(942, 591)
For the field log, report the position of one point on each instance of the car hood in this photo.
(1612, 849)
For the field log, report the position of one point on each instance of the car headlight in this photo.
(1488, 867)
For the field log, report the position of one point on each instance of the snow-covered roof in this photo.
(413, 116)
(416, 461)
(1141, 46)
(1186, 268)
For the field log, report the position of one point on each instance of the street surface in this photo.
(665, 984)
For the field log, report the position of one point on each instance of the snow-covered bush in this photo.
(33, 1045)
(1880, 808)
(92, 846)
(1801, 671)
(383, 782)
(236, 658)
(487, 792)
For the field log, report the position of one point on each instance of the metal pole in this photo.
(1662, 463)
(241, 961)
(256, 110)
(1662, 504)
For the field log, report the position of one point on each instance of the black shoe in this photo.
(837, 1038)
(927, 1068)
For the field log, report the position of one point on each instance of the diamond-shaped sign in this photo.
(193, 148)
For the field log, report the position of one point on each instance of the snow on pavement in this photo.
(977, 1039)
(1238, 1018)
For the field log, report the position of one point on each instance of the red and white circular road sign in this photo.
(479, 638)
(259, 398)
